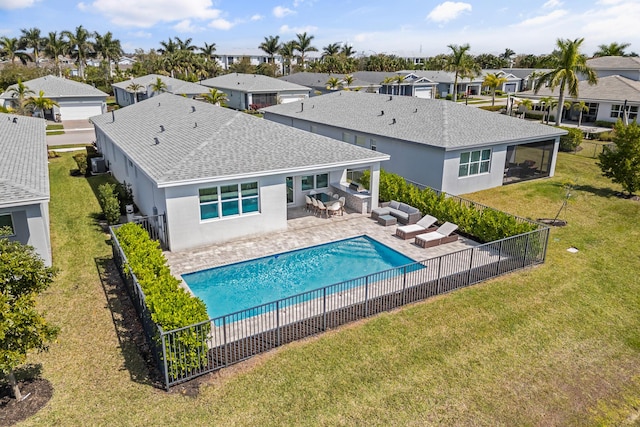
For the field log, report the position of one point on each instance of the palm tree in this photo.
(54, 47)
(135, 88)
(287, 50)
(348, 80)
(271, 45)
(506, 56)
(492, 81)
(331, 49)
(215, 97)
(168, 47)
(347, 50)
(31, 39)
(185, 44)
(333, 83)
(459, 62)
(303, 45)
(108, 48)
(159, 85)
(40, 103)
(548, 103)
(20, 91)
(208, 51)
(80, 46)
(582, 107)
(10, 48)
(612, 49)
(569, 62)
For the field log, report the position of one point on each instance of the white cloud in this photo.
(221, 24)
(16, 4)
(281, 12)
(257, 17)
(146, 13)
(141, 34)
(552, 4)
(285, 29)
(185, 26)
(445, 12)
(543, 19)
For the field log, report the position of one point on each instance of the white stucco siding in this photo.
(31, 227)
(187, 230)
(235, 99)
(453, 184)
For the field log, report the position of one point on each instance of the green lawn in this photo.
(555, 345)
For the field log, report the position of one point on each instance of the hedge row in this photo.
(171, 306)
(486, 225)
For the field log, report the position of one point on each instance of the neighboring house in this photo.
(77, 101)
(245, 91)
(218, 174)
(317, 82)
(125, 96)
(24, 182)
(257, 56)
(412, 84)
(625, 66)
(444, 145)
(606, 100)
(527, 76)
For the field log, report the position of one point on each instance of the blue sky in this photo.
(407, 28)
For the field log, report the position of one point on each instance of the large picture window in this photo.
(309, 182)
(474, 162)
(6, 222)
(229, 200)
(617, 111)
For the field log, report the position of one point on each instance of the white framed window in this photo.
(474, 162)
(617, 111)
(6, 220)
(229, 200)
(373, 144)
(310, 182)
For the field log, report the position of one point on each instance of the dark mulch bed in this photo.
(37, 390)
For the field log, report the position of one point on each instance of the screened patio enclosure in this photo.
(528, 161)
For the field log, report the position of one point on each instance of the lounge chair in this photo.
(410, 231)
(444, 234)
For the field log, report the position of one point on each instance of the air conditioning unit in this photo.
(98, 165)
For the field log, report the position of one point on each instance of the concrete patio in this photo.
(304, 230)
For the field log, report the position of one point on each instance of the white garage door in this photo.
(79, 110)
(285, 99)
(424, 93)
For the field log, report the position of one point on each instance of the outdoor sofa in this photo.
(404, 213)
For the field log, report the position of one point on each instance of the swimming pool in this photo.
(243, 285)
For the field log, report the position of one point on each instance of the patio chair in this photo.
(321, 208)
(342, 201)
(314, 202)
(336, 196)
(309, 202)
(410, 231)
(334, 208)
(444, 234)
(329, 193)
(312, 192)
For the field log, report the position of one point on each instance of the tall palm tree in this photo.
(159, 85)
(331, 49)
(54, 47)
(31, 39)
(568, 63)
(287, 50)
(208, 51)
(459, 62)
(548, 103)
(135, 88)
(20, 91)
(40, 104)
(492, 81)
(303, 45)
(80, 46)
(612, 49)
(582, 107)
(10, 49)
(347, 50)
(185, 44)
(168, 47)
(506, 56)
(215, 97)
(271, 45)
(108, 48)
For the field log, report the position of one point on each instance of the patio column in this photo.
(374, 184)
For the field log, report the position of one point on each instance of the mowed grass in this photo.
(558, 344)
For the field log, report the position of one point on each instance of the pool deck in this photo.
(304, 230)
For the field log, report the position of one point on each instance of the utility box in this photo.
(129, 210)
(98, 165)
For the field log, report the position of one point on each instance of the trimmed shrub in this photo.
(171, 307)
(571, 140)
(449, 97)
(485, 224)
(125, 196)
(81, 161)
(603, 124)
(109, 202)
(492, 107)
(605, 136)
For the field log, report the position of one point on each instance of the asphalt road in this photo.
(72, 137)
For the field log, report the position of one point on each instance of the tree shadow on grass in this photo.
(597, 191)
(138, 359)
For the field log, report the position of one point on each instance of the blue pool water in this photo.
(247, 284)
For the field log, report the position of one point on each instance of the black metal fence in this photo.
(238, 336)
(156, 226)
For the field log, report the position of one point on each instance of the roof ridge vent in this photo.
(390, 97)
(393, 121)
(382, 112)
(193, 108)
(15, 120)
(415, 111)
(156, 140)
(195, 125)
(161, 128)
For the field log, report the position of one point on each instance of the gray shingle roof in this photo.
(611, 88)
(176, 86)
(56, 87)
(432, 122)
(215, 142)
(24, 176)
(252, 83)
(614, 62)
